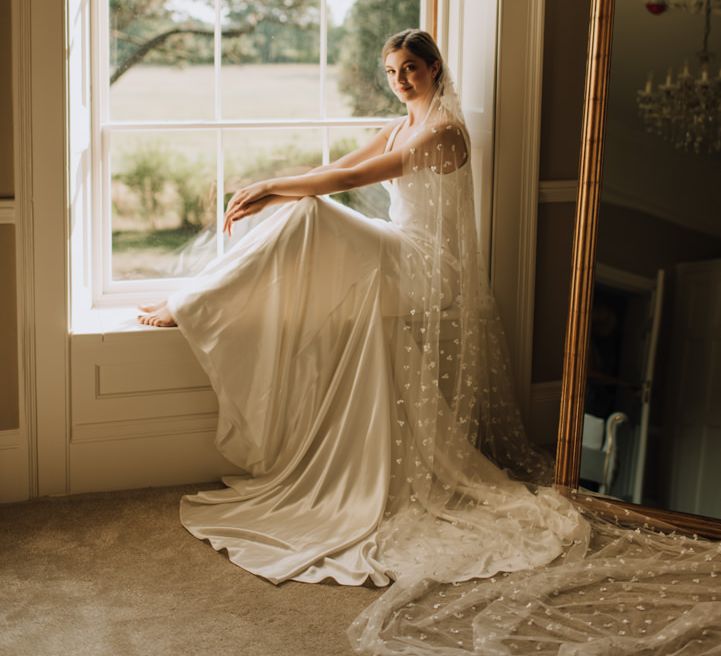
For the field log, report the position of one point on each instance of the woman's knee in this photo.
(308, 204)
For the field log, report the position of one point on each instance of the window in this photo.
(192, 98)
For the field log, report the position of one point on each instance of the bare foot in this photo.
(159, 317)
(152, 307)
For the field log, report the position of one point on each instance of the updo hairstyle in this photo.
(419, 43)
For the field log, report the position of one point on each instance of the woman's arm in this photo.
(374, 147)
(234, 213)
(443, 145)
(381, 167)
(370, 170)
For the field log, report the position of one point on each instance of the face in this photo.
(410, 78)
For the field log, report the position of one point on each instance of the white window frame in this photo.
(105, 292)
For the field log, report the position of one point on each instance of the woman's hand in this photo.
(241, 201)
(248, 195)
(237, 211)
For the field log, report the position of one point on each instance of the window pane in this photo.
(372, 200)
(357, 30)
(163, 203)
(258, 154)
(161, 59)
(271, 59)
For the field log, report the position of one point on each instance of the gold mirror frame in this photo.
(570, 426)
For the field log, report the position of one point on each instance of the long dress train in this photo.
(294, 327)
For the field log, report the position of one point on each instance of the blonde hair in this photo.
(419, 43)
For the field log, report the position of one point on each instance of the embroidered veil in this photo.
(470, 501)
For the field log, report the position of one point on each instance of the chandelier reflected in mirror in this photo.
(686, 111)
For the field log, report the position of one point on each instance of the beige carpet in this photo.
(116, 574)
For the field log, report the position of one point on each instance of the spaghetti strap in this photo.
(392, 136)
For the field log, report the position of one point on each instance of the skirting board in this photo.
(7, 211)
(14, 467)
(146, 462)
(10, 439)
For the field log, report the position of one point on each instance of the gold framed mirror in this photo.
(666, 460)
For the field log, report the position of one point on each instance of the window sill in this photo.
(111, 320)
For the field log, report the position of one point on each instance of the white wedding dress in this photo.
(363, 384)
(293, 327)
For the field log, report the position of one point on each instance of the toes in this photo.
(157, 319)
(152, 307)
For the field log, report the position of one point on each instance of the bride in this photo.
(363, 386)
